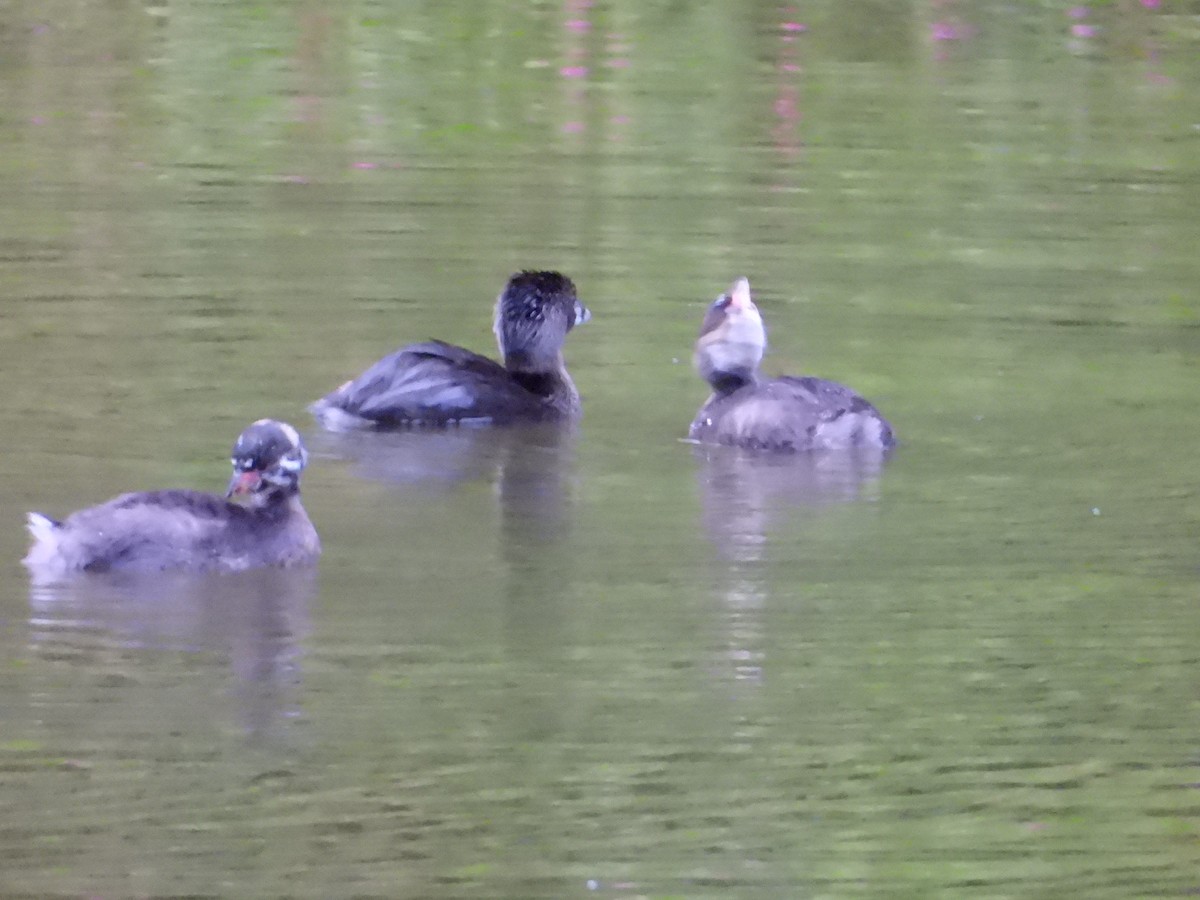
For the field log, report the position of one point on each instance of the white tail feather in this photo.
(41, 527)
(43, 556)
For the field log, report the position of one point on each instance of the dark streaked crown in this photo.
(266, 443)
(268, 458)
(534, 312)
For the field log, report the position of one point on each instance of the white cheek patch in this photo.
(294, 461)
(285, 471)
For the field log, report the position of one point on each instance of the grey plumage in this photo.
(191, 530)
(781, 414)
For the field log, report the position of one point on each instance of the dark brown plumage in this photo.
(438, 384)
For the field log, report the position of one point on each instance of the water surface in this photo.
(605, 661)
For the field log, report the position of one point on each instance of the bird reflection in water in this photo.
(531, 472)
(434, 461)
(530, 469)
(745, 497)
(253, 622)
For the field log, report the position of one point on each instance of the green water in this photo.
(608, 663)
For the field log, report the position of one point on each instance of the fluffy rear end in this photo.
(333, 417)
(47, 533)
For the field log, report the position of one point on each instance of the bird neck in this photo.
(726, 381)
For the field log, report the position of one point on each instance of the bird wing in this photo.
(432, 383)
(149, 530)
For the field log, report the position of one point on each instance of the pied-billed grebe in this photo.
(436, 384)
(788, 413)
(190, 530)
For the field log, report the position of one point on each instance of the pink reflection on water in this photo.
(949, 27)
(587, 114)
(617, 48)
(1151, 48)
(575, 70)
(582, 60)
(943, 31)
(785, 133)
